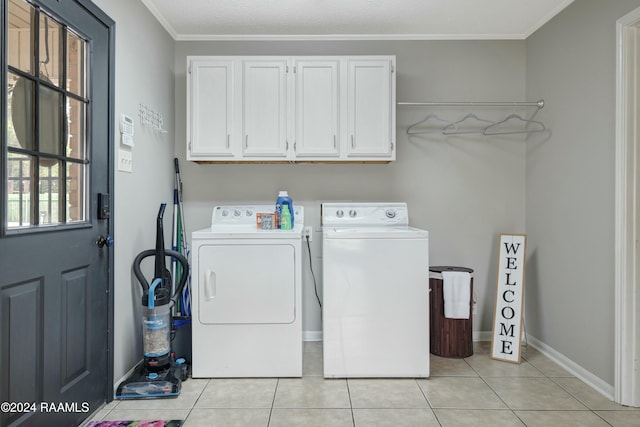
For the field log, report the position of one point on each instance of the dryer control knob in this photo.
(236, 212)
(339, 213)
(353, 213)
(249, 212)
(390, 213)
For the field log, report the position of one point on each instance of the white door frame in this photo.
(627, 192)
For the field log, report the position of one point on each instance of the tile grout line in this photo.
(427, 399)
(198, 398)
(353, 416)
(273, 401)
(496, 393)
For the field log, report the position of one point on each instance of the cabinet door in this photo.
(210, 103)
(371, 108)
(317, 107)
(264, 108)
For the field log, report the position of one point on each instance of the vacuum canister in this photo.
(156, 324)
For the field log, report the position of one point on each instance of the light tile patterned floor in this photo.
(476, 391)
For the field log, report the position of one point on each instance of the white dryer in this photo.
(375, 292)
(247, 296)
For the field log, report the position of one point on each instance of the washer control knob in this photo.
(353, 213)
(390, 213)
(237, 212)
(249, 212)
(225, 213)
(339, 213)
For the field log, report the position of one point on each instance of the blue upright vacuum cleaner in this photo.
(160, 374)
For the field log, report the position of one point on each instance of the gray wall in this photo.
(144, 74)
(465, 190)
(570, 184)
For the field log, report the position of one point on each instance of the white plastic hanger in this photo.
(454, 128)
(430, 117)
(494, 129)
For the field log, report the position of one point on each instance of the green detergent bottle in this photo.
(285, 218)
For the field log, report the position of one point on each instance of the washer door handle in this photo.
(209, 285)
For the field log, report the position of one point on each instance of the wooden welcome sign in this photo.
(507, 317)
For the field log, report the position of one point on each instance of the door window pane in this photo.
(19, 189)
(76, 190)
(49, 189)
(76, 126)
(50, 50)
(76, 80)
(20, 112)
(49, 121)
(20, 42)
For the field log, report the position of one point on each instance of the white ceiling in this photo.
(353, 19)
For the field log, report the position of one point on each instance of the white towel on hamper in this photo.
(456, 290)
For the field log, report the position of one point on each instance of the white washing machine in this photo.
(247, 296)
(375, 292)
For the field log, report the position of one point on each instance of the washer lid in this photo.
(386, 232)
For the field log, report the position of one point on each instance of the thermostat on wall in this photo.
(126, 130)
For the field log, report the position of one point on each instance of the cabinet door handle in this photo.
(353, 143)
(246, 141)
(228, 137)
(209, 285)
(334, 142)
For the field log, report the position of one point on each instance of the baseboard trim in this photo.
(599, 385)
(481, 336)
(605, 389)
(317, 336)
(126, 376)
(311, 335)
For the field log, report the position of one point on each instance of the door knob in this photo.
(104, 241)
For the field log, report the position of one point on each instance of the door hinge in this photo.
(393, 69)
(189, 69)
(286, 68)
(189, 145)
(295, 147)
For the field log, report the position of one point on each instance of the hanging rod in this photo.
(539, 104)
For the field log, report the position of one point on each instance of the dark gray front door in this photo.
(55, 280)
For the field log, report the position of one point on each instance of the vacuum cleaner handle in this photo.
(185, 270)
(173, 254)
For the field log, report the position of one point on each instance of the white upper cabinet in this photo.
(301, 108)
(317, 108)
(210, 103)
(264, 107)
(371, 108)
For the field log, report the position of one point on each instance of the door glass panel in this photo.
(20, 42)
(49, 188)
(76, 127)
(76, 80)
(49, 121)
(19, 189)
(76, 208)
(50, 50)
(20, 112)
(47, 110)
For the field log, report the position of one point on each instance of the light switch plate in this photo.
(125, 160)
